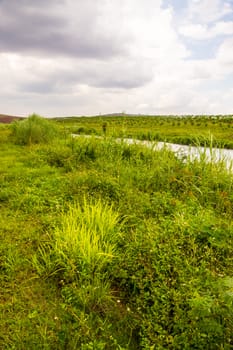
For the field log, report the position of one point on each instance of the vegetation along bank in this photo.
(106, 245)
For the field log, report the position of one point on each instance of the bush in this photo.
(85, 131)
(33, 130)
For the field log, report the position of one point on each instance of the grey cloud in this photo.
(121, 77)
(78, 36)
(38, 87)
(121, 82)
(30, 26)
(51, 85)
(117, 75)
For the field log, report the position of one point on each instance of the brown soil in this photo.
(8, 118)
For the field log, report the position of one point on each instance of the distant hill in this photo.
(4, 118)
(121, 114)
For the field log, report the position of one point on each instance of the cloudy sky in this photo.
(86, 57)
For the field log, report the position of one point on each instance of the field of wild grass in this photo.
(214, 131)
(106, 245)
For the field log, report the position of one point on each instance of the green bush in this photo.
(85, 131)
(33, 130)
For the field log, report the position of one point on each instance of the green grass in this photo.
(106, 245)
(192, 130)
(33, 130)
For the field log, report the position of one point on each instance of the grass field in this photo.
(110, 246)
(198, 130)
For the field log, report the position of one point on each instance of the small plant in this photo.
(88, 237)
(83, 247)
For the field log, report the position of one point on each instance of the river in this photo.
(183, 151)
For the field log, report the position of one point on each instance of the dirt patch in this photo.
(4, 118)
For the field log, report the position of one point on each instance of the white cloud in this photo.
(225, 55)
(107, 56)
(203, 31)
(207, 11)
(205, 19)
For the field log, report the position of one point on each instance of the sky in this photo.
(92, 57)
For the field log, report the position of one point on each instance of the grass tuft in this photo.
(33, 130)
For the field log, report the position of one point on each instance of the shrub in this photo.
(84, 130)
(33, 130)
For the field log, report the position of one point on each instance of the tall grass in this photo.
(79, 276)
(88, 236)
(80, 253)
(33, 130)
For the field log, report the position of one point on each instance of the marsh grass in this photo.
(89, 234)
(33, 130)
(175, 129)
(113, 246)
(80, 254)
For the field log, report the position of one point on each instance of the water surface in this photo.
(192, 152)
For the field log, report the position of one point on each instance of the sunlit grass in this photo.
(88, 234)
(113, 246)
